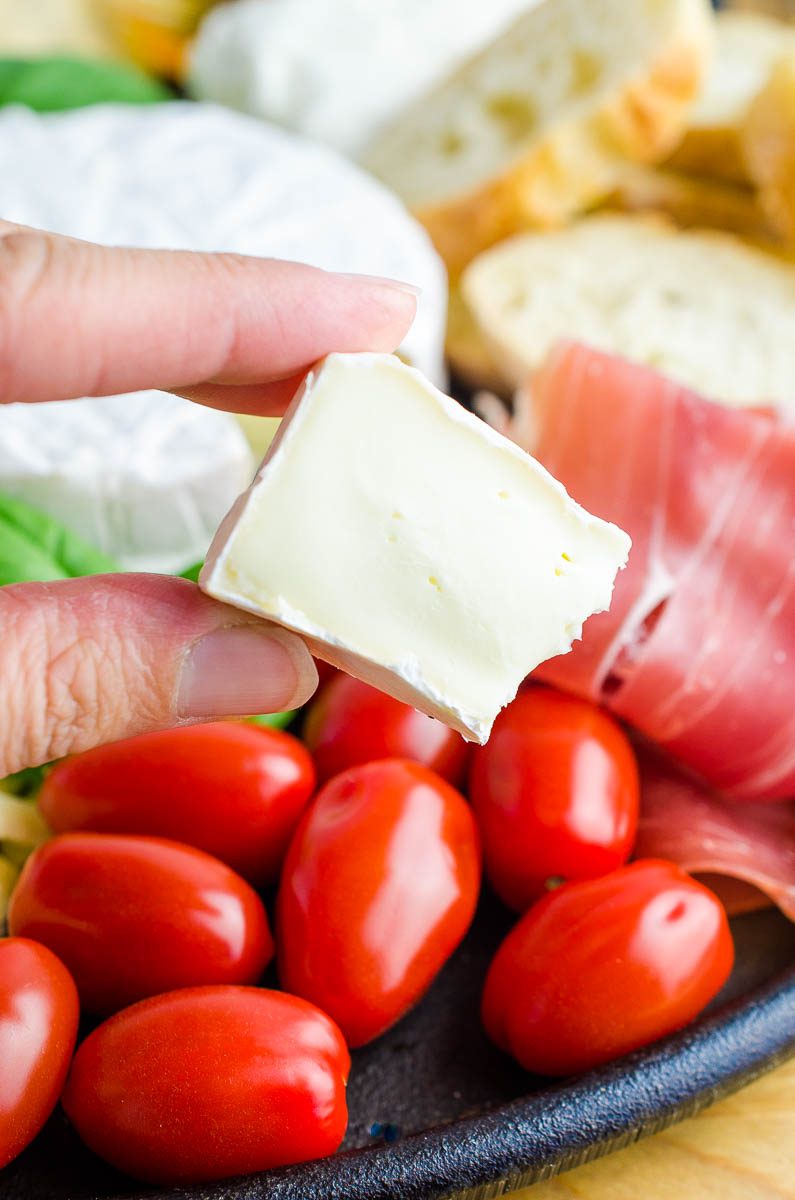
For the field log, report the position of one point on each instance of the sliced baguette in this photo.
(533, 129)
(747, 46)
(769, 145)
(470, 358)
(706, 308)
(692, 201)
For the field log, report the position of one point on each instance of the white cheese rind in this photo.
(412, 545)
(188, 176)
(145, 477)
(149, 477)
(337, 72)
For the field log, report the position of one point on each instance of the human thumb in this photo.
(91, 660)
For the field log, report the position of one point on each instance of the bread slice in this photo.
(708, 309)
(769, 145)
(470, 358)
(746, 47)
(532, 130)
(692, 201)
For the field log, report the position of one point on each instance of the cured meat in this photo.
(685, 822)
(698, 648)
(735, 895)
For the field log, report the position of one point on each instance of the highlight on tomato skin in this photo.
(350, 722)
(556, 794)
(230, 788)
(602, 967)
(134, 916)
(379, 888)
(207, 1083)
(38, 1028)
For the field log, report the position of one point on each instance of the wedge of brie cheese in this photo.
(411, 545)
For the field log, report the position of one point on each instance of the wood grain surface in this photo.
(740, 1149)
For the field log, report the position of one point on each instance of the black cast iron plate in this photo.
(435, 1111)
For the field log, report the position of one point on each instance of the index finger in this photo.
(78, 319)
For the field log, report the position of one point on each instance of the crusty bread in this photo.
(692, 201)
(746, 47)
(769, 145)
(469, 356)
(706, 308)
(531, 130)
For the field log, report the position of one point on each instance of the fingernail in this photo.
(383, 281)
(245, 669)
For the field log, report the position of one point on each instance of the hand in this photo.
(86, 661)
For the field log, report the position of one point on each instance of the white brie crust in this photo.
(145, 477)
(337, 72)
(412, 545)
(148, 478)
(188, 176)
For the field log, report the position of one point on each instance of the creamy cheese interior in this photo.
(390, 524)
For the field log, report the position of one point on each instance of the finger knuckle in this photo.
(68, 689)
(74, 701)
(50, 682)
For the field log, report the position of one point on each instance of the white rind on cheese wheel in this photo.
(199, 177)
(337, 71)
(145, 477)
(148, 477)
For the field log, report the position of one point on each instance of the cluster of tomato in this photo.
(143, 910)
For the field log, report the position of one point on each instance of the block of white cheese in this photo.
(337, 71)
(148, 479)
(145, 477)
(412, 545)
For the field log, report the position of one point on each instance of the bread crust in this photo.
(578, 161)
(718, 256)
(691, 201)
(768, 142)
(470, 359)
(714, 151)
(713, 143)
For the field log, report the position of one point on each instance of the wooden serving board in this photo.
(743, 1148)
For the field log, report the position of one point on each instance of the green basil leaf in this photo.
(56, 84)
(25, 783)
(34, 546)
(192, 573)
(273, 720)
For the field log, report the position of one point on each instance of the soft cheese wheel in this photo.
(337, 71)
(145, 477)
(199, 177)
(156, 475)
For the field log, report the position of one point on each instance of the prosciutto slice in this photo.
(698, 648)
(736, 844)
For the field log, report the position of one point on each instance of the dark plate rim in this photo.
(559, 1127)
